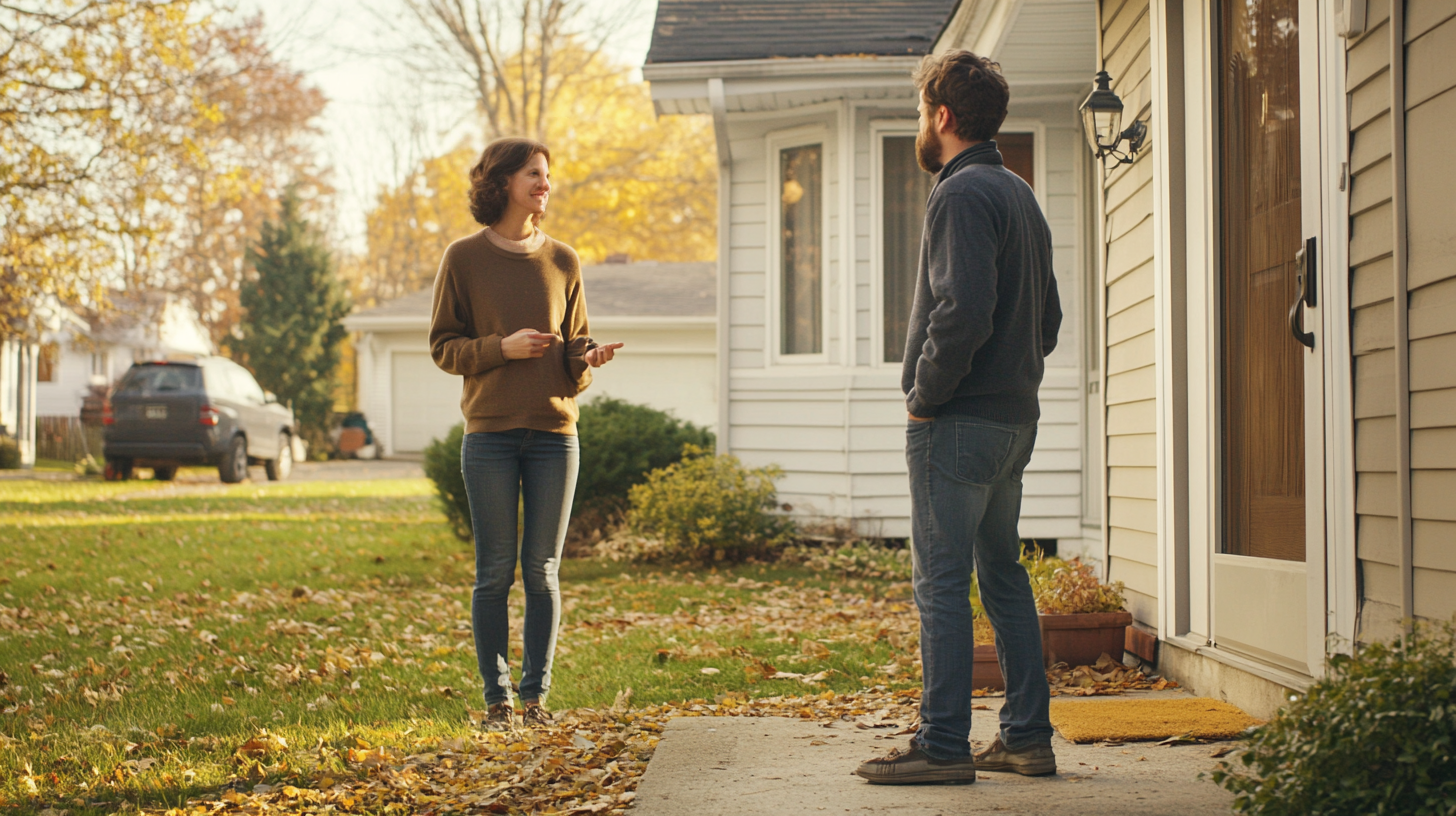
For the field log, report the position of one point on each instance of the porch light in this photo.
(1102, 123)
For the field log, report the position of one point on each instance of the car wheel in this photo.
(234, 465)
(118, 470)
(164, 474)
(279, 468)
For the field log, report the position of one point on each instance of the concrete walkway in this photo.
(769, 766)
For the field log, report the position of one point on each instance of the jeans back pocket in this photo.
(981, 451)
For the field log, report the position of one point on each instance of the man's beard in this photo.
(927, 150)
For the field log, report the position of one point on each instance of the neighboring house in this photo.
(821, 204)
(1275, 475)
(662, 311)
(77, 355)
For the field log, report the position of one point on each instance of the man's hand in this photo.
(525, 344)
(914, 418)
(601, 355)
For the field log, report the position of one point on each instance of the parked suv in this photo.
(209, 412)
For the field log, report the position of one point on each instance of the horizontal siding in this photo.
(1131, 389)
(1372, 323)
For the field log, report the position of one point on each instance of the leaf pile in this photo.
(1105, 677)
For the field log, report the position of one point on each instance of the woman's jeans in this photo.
(965, 499)
(538, 468)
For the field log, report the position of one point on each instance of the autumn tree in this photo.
(88, 95)
(623, 180)
(292, 334)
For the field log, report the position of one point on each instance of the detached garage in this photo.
(664, 312)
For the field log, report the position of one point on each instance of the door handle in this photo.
(1305, 294)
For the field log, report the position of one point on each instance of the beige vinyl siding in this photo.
(1430, 114)
(1373, 325)
(1430, 110)
(1131, 376)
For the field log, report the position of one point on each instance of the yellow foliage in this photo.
(623, 181)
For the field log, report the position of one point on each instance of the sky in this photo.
(344, 46)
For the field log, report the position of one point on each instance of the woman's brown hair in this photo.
(488, 178)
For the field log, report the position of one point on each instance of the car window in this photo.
(245, 386)
(219, 385)
(154, 380)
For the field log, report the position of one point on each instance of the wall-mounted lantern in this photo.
(1102, 123)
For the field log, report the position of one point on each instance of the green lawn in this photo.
(148, 632)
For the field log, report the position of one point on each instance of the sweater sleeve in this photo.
(1051, 317)
(962, 276)
(574, 331)
(453, 344)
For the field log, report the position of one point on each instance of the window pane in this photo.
(1018, 153)
(801, 172)
(906, 189)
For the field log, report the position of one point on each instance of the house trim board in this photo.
(791, 68)
(1170, 316)
(1405, 529)
(1341, 590)
(776, 141)
(724, 266)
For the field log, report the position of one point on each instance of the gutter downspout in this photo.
(718, 101)
(1401, 306)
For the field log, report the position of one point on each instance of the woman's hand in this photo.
(525, 344)
(601, 355)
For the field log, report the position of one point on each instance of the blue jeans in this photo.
(535, 469)
(965, 499)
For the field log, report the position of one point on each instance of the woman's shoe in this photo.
(536, 715)
(499, 717)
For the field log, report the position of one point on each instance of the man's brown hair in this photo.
(501, 159)
(971, 87)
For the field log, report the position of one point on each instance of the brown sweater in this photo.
(484, 294)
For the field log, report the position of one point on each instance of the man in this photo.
(985, 316)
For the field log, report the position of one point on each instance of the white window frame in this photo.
(777, 142)
(879, 129)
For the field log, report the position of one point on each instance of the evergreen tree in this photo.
(291, 332)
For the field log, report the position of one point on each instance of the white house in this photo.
(663, 312)
(821, 202)
(75, 355)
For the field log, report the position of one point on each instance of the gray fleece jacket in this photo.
(986, 311)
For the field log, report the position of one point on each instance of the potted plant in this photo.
(1081, 617)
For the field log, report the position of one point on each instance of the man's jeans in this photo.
(965, 498)
(536, 469)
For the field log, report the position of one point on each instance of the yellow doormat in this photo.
(1128, 720)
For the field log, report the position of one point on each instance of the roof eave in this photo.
(780, 66)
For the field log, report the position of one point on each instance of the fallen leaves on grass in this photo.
(585, 761)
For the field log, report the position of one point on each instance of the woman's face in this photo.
(530, 187)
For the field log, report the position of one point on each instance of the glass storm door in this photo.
(1270, 417)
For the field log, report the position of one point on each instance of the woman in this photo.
(510, 317)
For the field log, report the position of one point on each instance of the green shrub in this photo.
(9, 453)
(442, 466)
(706, 508)
(1374, 736)
(620, 443)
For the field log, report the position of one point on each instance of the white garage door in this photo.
(424, 403)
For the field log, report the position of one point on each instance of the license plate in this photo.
(156, 412)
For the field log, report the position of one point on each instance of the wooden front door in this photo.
(1269, 394)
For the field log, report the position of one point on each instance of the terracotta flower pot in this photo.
(1078, 640)
(986, 672)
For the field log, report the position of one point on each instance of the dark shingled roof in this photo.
(707, 30)
(643, 289)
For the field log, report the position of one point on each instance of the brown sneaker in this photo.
(1036, 760)
(536, 715)
(499, 717)
(912, 766)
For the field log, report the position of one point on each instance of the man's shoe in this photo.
(1035, 760)
(535, 715)
(912, 766)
